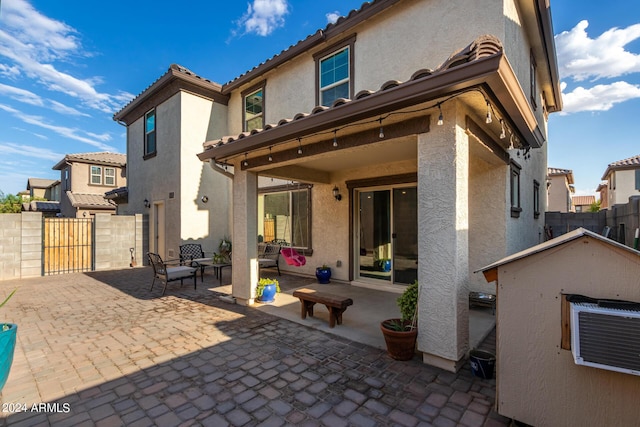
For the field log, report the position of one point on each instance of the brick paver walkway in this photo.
(100, 349)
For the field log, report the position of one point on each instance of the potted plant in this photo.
(224, 251)
(400, 334)
(323, 274)
(267, 289)
(7, 345)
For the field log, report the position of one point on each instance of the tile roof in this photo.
(103, 158)
(629, 163)
(483, 46)
(583, 200)
(41, 206)
(96, 201)
(40, 183)
(556, 171)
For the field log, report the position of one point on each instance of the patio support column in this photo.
(443, 244)
(245, 236)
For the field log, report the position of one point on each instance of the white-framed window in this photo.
(150, 133)
(110, 176)
(96, 175)
(285, 216)
(334, 72)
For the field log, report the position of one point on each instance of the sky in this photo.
(67, 66)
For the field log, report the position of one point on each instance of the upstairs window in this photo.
(533, 70)
(150, 133)
(515, 190)
(253, 111)
(334, 68)
(536, 199)
(96, 175)
(110, 177)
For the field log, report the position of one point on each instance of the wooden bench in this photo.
(334, 303)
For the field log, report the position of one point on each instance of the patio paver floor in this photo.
(100, 349)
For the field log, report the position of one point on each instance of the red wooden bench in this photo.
(334, 303)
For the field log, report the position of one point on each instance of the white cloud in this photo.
(30, 151)
(264, 16)
(65, 109)
(581, 57)
(332, 17)
(34, 43)
(21, 95)
(71, 133)
(598, 98)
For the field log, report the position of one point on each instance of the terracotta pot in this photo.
(401, 345)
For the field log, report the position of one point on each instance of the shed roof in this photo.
(558, 241)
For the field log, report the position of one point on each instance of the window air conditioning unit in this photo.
(606, 337)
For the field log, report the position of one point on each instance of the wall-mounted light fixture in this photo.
(336, 193)
(205, 199)
(147, 204)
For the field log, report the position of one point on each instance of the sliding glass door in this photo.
(387, 240)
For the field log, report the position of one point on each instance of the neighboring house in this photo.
(603, 190)
(47, 189)
(411, 135)
(623, 178)
(582, 203)
(559, 190)
(186, 199)
(84, 180)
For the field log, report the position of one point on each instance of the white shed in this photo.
(568, 332)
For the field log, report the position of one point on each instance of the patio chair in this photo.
(190, 253)
(162, 271)
(268, 256)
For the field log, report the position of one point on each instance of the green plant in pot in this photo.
(7, 345)
(267, 289)
(400, 333)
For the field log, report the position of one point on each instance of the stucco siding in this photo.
(625, 186)
(201, 221)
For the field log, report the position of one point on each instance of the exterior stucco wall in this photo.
(443, 223)
(625, 187)
(530, 360)
(156, 177)
(487, 219)
(202, 222)
(526, 230)
(435, 32)
(559, 194)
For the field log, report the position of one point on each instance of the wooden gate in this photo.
(67, 245)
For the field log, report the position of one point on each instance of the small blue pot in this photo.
(323, 275)
(7, 348)
(268, 293)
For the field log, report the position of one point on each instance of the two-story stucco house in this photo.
(84, 180)
(623, 180)
(560, 189)
(410, 134)
(186, 200)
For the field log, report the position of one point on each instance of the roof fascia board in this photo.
(493, 70)
(367, 11)
(181, 81)
(548, 41)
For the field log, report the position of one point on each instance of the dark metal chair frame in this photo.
(162, 271)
